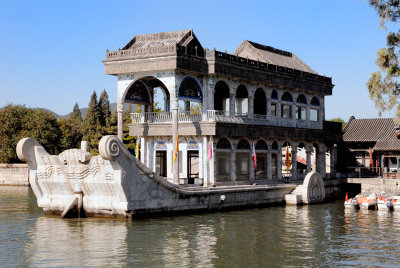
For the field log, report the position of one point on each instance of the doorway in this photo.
(192, 166)
(161, 163)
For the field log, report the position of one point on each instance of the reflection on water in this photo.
(318, 235)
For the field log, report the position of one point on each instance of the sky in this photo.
(51, 52)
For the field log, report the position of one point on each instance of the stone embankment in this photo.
(14, 174)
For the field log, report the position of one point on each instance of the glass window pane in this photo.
(314, 114)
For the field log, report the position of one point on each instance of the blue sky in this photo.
(51, 51)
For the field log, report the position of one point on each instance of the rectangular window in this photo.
(273, 109)
(223, 168)
(286, 111)
(314, 114)
(242, 166)
(261, 173)
(301, 113)
(161, 163)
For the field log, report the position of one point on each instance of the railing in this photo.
(372, 172)
(198, 116)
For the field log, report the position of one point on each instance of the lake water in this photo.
(313, 236)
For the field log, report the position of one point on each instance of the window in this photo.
(223, 170)
(286, 111)
(242, 166)
(314, 114)
(301, 113)
(273, 109)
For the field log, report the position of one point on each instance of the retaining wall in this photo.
(14, 174)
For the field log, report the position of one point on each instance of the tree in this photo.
(18, 122)
(339, 120)
(91, 124)
(384, 85)
(76, 115)
(104, 106)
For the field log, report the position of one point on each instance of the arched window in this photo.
(241, 99)
(190, 89)
(161, 145)
(287, 97)
(314, 112)
(223, 143)
(315, 101)
(286, 109)
(138, 93)
(274, 95)
(301, 112)
(260, 104)
(301, 99)
(221, 97)
(261, 145)
(275, 146)
(243, 144)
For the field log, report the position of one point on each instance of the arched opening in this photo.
(314, 110)
(274, 160)
(223, 153)
(301, 111)
(274, 102)
(301, 160)
(221, 97)
(286, 160)
(262, 160)
(314, 157)
(241, 98)
(286, 108)
(260, 102)
(190, 96)
(243, 160)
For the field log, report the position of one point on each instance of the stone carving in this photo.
(314, 189)
(108, 147)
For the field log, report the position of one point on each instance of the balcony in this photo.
(200, 116)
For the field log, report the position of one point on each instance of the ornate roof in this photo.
(161, 39)
(379, 130)
(258, 52)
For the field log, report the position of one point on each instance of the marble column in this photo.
(279, 164)
(233, 165)
(250, 107)
(232, 104)
(269, 166)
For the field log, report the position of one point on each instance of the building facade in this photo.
(374, 146)
(219, 106)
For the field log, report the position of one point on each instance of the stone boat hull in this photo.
(115, 184)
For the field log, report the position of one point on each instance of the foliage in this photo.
(18, 122)
(339, 120)
(104, 107)
(384, 85)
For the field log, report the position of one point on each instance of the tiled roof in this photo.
(159, 39)
(254, 51)
(379, 130)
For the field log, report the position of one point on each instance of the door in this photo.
(192, 166)
(161, 163)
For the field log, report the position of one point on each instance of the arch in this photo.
(275, 146)
(287, 97)
(189, 89)
(261, 145)
(260, 103)
(274, 95)
(241, 92)
(138, 93)
(315, 101)
(243, 144)
(301, 99)
(221, 96)
(161, 146)
(192, 145)
(224, 143)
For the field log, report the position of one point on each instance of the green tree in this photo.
(18, 122)
(104, 106)
(76, 115)
(384, 85)
(92, 131)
